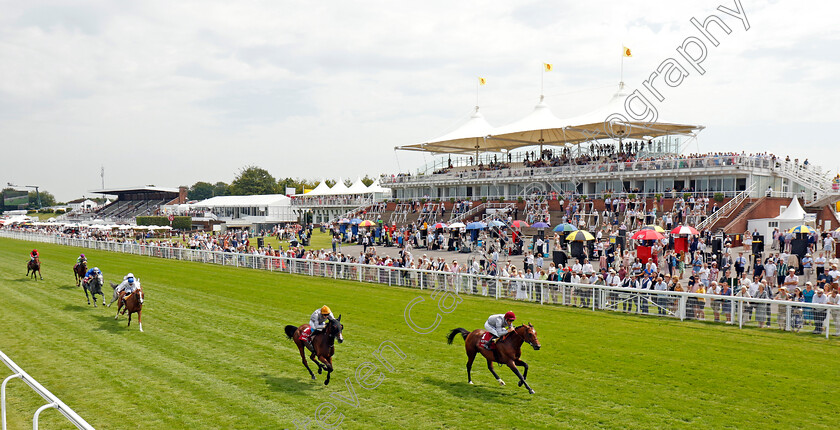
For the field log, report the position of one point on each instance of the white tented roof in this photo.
(794, 212)
(376, 187)
(539, 126)
(465, 138)
(339, 188)
(358, 187)
(244, 201)
(321, 190)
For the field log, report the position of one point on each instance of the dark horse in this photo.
(79, 271)
(507, 350)
(94, 286)
(33, 266)
(322, 345)
(133, 304)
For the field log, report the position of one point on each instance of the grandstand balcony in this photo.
(726, 174)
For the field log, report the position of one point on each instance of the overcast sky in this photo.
(170, 93)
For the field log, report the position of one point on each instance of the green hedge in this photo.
(180, 222)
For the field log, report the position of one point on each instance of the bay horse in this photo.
(94, 286)
(322, 345)
(133, 304)
(507, 351)
(79, 271)
(34, 265)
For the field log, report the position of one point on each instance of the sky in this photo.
(171, 93)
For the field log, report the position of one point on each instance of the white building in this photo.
(82, 204)
(249, 211)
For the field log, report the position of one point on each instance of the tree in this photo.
(47, 199)
(221, 189)
(367, 181)
(200, 191)
(348, 183)
(253, 180)
(330, 182)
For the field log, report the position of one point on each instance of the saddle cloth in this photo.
(304, 334)
(485, 343)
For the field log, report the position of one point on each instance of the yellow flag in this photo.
(547, 67)
(627, 52)
(482, 81)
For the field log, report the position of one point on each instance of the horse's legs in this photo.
(328, 364)
(493, 371)
(519, 362)
(139, 321)
(303, 359)
(519, 375)
(88, 298)
(129, 320)
(470, 359)
(327, 381)
(317, 363)
(119, 306)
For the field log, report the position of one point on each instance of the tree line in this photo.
(253, 180)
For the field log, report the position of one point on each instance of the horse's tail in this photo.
(290, 331)
(454, 332)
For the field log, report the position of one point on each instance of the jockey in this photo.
(500, 324)
(128, 286)
(81, 259)
(34, 254)
(318, 320)
(90, 274)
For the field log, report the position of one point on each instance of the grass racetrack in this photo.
(214, 355)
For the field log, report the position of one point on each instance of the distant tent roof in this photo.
(243, 201)
(465, 138)
(358, 187)
(794, 212)
(376, 187)
(320, 190)
(339, 188)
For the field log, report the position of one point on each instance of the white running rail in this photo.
(786, 315)
(52, 400)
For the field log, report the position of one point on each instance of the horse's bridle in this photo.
(522, 337)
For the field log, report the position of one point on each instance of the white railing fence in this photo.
(741, 311)
(52, 400)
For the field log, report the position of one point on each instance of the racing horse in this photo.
(34, 265)
(322, 345)
(133, 303)
(79, 271)
(507, 350)
(94, 286)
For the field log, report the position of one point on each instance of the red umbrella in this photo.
(684, 229)
(519, 224)
(647, 235)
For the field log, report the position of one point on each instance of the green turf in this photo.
(214, 356)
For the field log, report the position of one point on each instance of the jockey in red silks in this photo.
(500, 324)
(34, 254)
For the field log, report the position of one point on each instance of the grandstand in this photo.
(133, 202)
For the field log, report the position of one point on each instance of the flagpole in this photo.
(622, 64)
(542, 81)
(477, 85)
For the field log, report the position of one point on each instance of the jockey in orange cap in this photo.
(318, 320)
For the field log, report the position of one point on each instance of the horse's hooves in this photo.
(319, 370)
(470, 383)
(531, 391)
(116, 317)
(313, 377)
(520, 383)
(502, 383)
(327, 382)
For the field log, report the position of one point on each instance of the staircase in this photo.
(503, 210)
(726, 210)
(745, 210)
